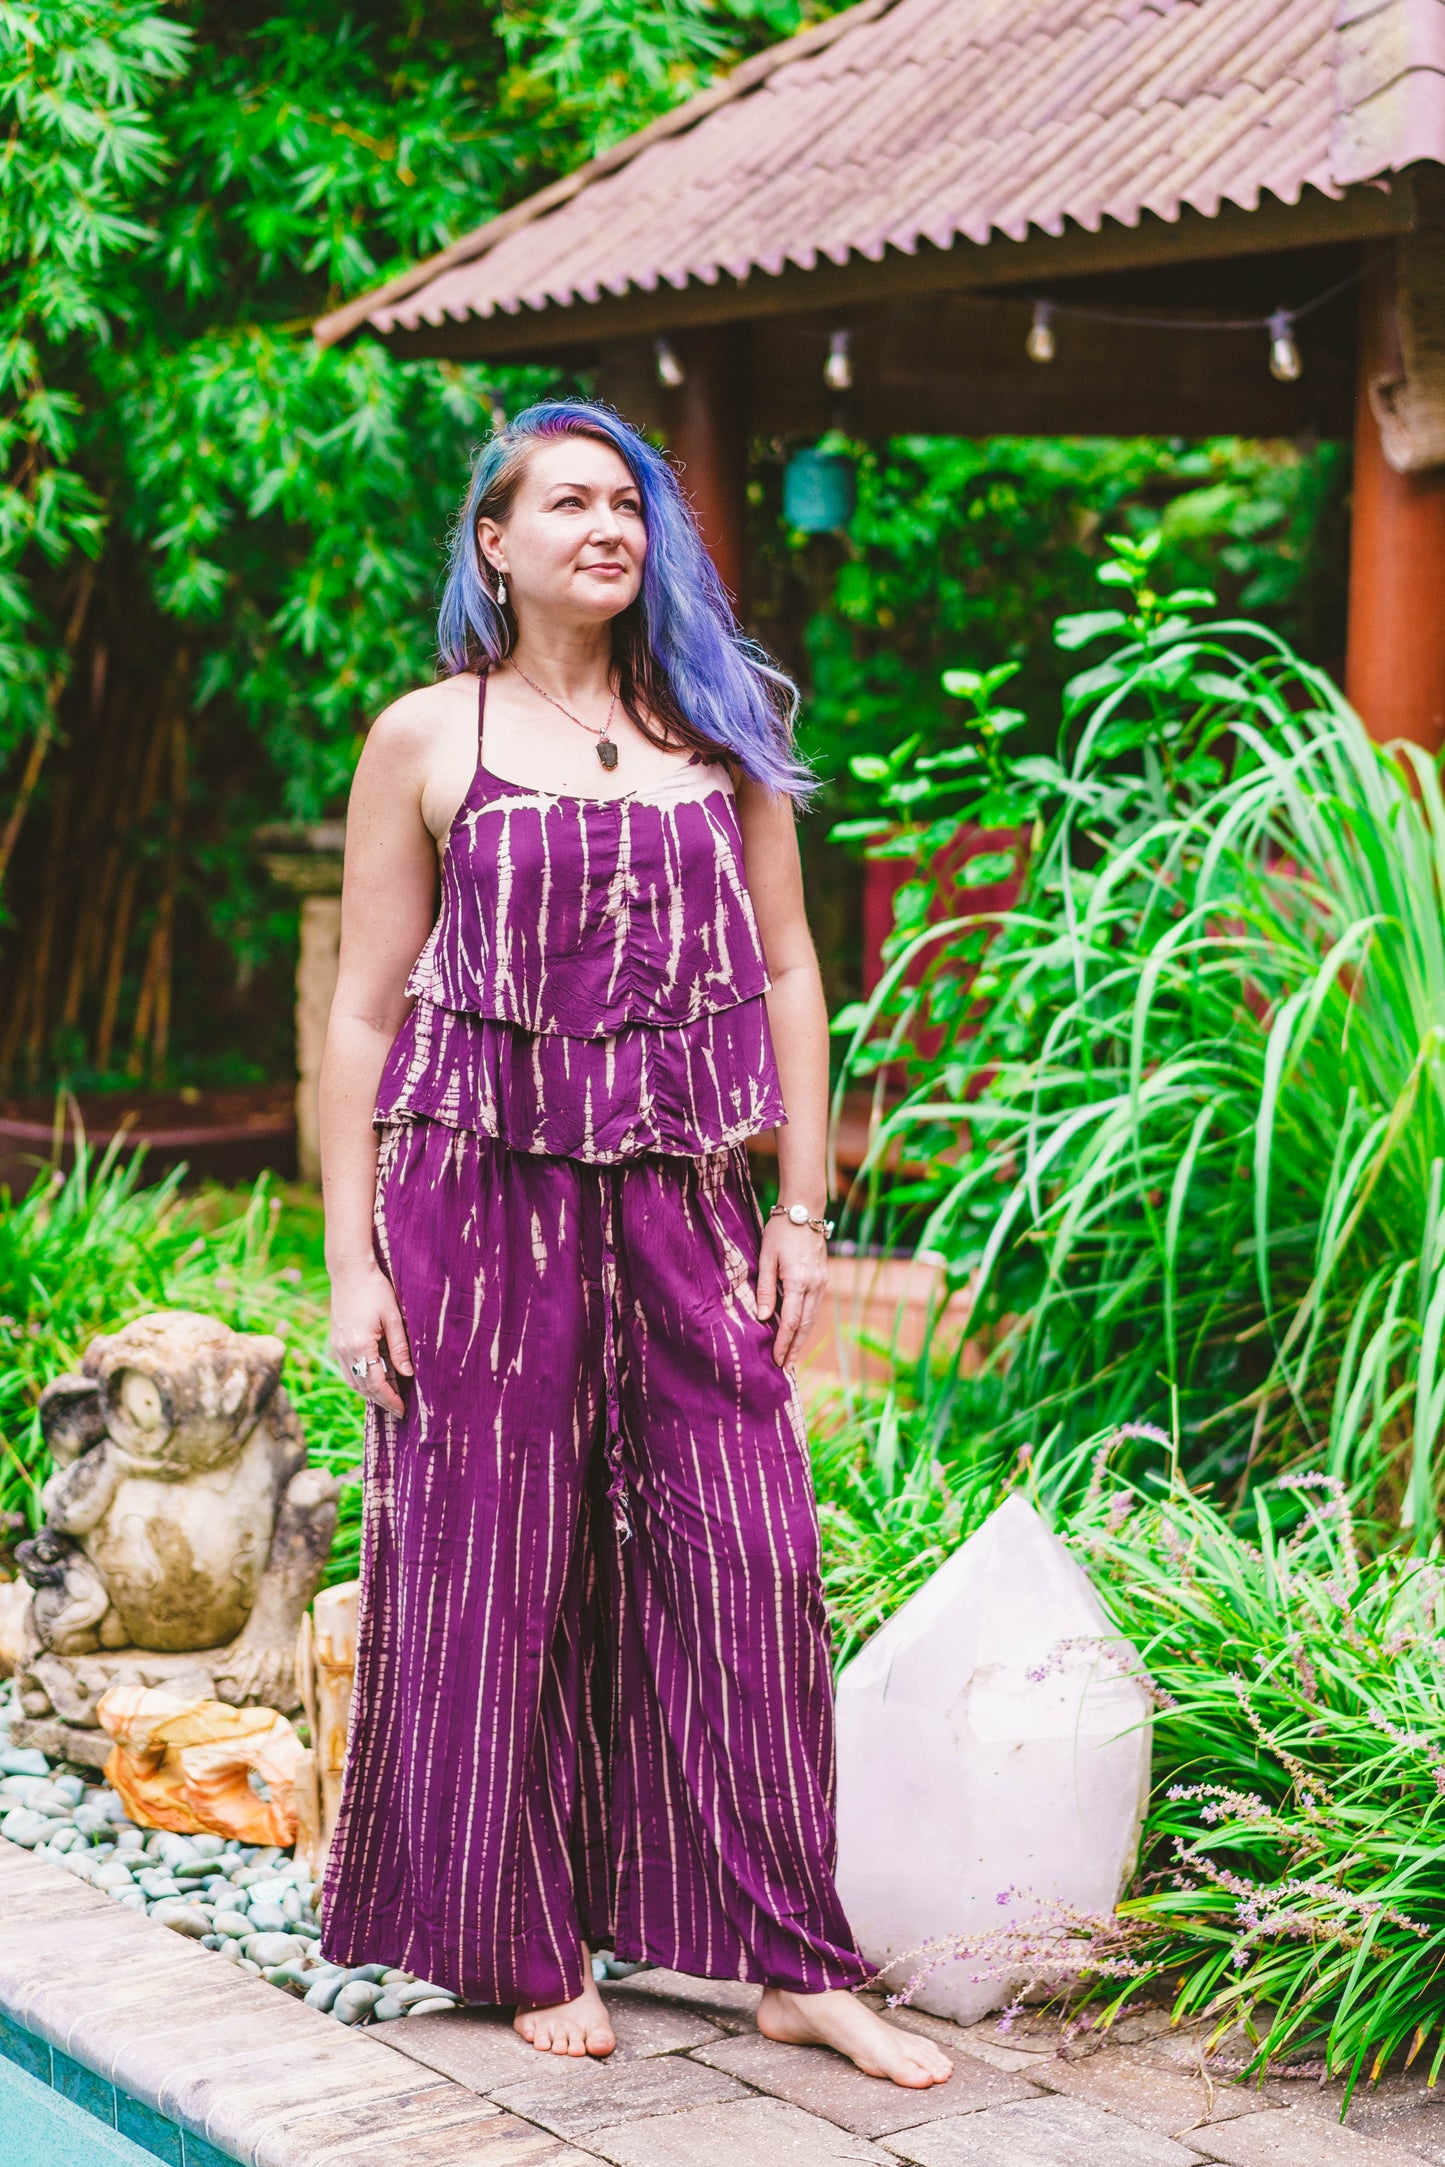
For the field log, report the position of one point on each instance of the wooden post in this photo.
(1395, 663)
(707, 429)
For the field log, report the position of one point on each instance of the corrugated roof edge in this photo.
(343, 323)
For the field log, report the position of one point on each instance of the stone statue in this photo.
(184, 1533)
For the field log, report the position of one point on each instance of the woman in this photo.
(593, 1694)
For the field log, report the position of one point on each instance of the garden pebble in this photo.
(233, 1924)
(356, 2000)
(265, 1949)
(21, 1789)
(23, 1761)
(181, 1918)
(111, 1874)
(26, 1827)
(269, 1919)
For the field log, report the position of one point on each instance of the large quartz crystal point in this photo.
(993, 1757)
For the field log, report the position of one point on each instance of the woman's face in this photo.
(573, 543)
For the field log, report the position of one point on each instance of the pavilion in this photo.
(914, 186)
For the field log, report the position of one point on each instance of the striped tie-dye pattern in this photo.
(594, 983)
(593, 1694)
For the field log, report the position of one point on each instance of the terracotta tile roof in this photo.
(905, 121)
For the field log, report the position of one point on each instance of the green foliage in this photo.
(975, 547)
(1183, 1122)
(589, 72)
(188, 187)
(87, 1251)
(1291, 1874)
(78, 88)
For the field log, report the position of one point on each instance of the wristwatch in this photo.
(800, 1215)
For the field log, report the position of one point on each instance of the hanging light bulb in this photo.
(670, 370)
(1285, 364)
(838, 368)
(1039, 345)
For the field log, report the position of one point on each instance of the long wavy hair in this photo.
(680, 656)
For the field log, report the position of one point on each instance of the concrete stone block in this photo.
(1289, 2137)
(727, 2003)
(749, 2133)
(1038, 2133)
(572, 2097)
(826, 2085)
(1148, 2092)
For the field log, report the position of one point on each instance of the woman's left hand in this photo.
(796, 1257)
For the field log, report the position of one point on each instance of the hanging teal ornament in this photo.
(820, 491)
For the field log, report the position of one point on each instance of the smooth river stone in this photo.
(181, 1918)
(269, 1949)
(111, 1874)
(23, 1761)
(26, 1828)
(269, 1919)
(993, 1756)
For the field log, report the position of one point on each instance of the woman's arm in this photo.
(387, 901)
(798, 1019)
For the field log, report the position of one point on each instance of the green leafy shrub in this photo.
(1183, 1134)
(1292, 1874)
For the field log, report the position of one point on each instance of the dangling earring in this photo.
(501, 590)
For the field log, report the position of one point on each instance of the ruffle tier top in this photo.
(593, 987)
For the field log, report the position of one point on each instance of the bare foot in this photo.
(839, 2020)
(570, 2027)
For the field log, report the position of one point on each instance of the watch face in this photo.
(798, 1213)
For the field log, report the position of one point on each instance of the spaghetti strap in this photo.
(481, 710)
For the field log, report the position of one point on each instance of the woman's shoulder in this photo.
(411, 727)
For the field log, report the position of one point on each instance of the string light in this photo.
(1039, 345)
(670, 370)
(1286, 364)
(838, 368)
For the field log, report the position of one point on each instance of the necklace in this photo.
(606, 749)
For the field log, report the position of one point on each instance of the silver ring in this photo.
(360, 1367)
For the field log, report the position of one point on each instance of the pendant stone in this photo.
(607, 752)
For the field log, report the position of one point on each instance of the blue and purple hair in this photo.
(678, 649)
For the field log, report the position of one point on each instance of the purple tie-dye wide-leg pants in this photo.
(593, 1693)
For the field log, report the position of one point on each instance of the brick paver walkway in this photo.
(692, 2084)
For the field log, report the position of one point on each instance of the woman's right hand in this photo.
(364, 1316)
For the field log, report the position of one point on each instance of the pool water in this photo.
(54, 2112)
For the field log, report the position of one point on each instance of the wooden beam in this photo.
(706, 423)
(1039, 261)
(1395, 664)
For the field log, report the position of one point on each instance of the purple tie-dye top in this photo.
(593, 986)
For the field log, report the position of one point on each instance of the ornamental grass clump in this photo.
(1181, 1111)
(1292, 1874)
